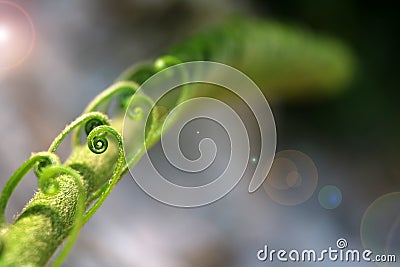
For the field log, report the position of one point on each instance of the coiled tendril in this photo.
(134, 105)
(123, 88)
(90, 119)
(50, 186)
(41, 161)
(236, 41)
(47, 167)
(96, 125)
(98, 143)
(134, 111)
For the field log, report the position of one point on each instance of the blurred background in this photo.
(350, 139)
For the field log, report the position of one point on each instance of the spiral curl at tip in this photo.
(93, 117)
(133, 110)
(40, 161)
(96, 125)
(49, 185)
(97, 143)
(45, 162)
(139, 74)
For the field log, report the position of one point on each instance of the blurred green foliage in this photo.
(285, 61)
(365, 118)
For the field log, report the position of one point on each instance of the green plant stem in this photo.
(285, 62)
(47, 219)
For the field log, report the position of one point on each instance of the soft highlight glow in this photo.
(4, 34)
(17, 35)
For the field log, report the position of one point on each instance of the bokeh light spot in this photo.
(17, 35)
(4, 34)
(293, 178)
(380, 225)
(330, 197)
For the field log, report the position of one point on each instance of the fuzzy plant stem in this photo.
(287, 61)
(47, 219)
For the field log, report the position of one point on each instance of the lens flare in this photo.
(221, 150)
(293, 178)
(380, 226)
(330, 197)
(17, 35)
(4, 35)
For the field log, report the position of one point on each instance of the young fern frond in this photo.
(98, 144)
(277, 57)
(41, 160)
(48, 184)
